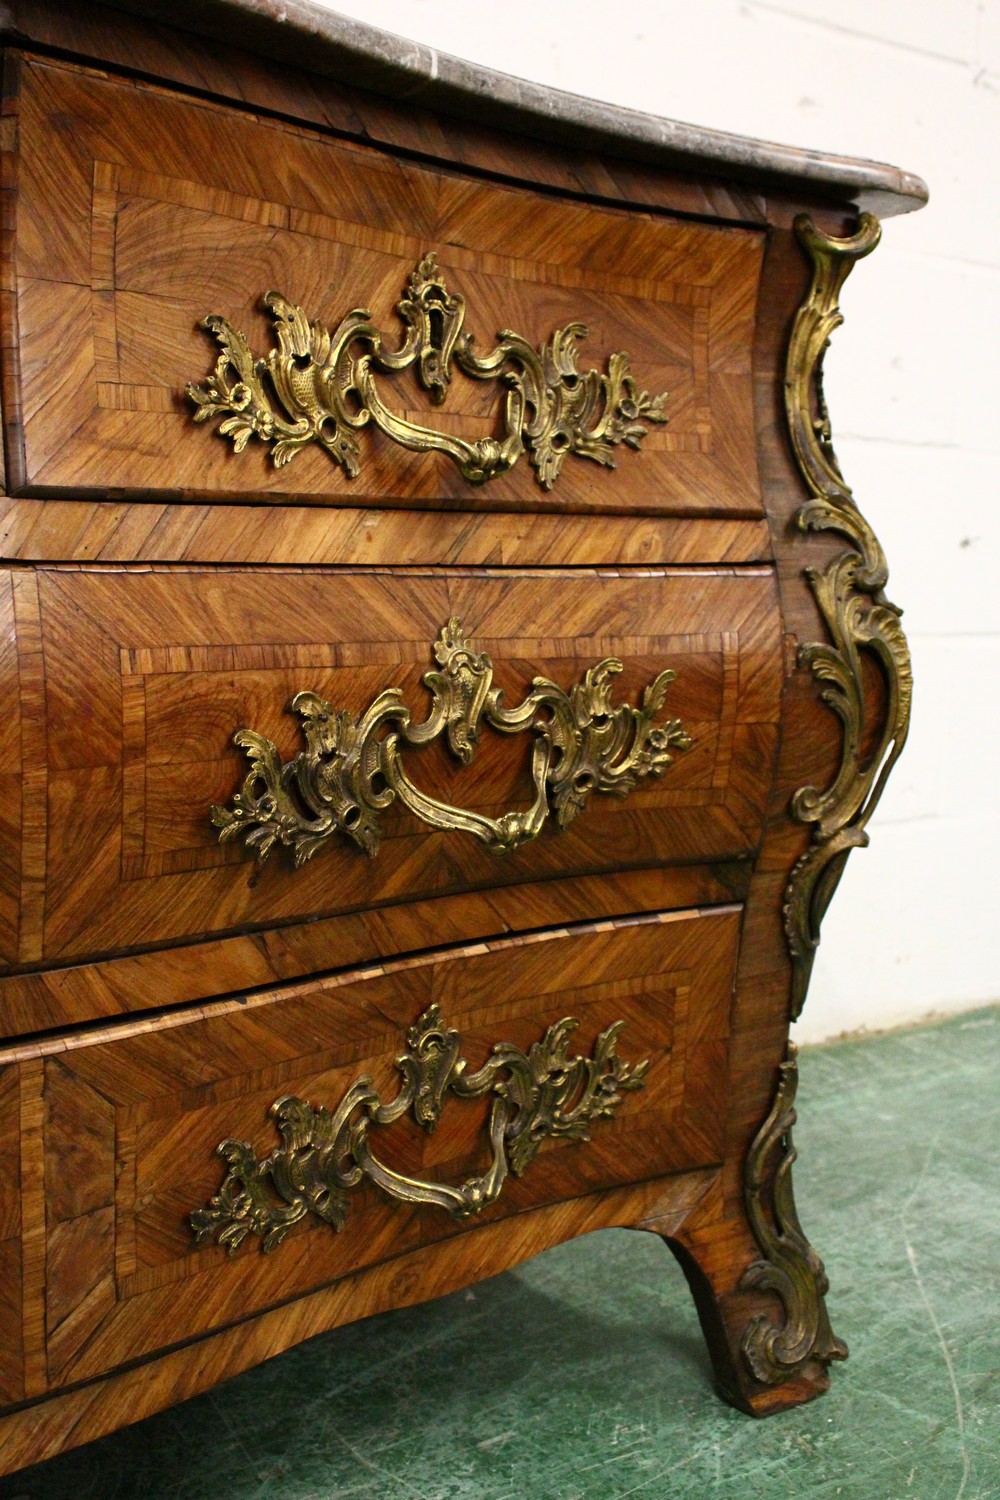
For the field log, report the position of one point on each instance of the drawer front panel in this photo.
(138, 213)
(134, 682)
(132, 1125)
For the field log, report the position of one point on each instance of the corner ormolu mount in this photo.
(850, 593)
(319, 386)
(789, 1265)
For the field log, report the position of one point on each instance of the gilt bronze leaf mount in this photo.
(538, 1095)
(320, 386)
(789, 1266)
(862, 623)
(352, 769)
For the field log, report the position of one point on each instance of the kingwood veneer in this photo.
(573, 738)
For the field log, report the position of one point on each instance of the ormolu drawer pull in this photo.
(352, 769)
(536, 1095)
(325, 391)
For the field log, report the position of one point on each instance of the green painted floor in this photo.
(582, 1376)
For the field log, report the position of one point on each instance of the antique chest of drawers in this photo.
(427, 750)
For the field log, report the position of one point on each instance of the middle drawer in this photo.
(145, 676)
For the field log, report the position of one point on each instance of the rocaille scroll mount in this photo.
(538, 1095)
(319, 386)
(352, 769)
(850, 593)
(788, 1266)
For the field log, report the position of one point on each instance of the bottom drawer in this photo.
(421, 1097)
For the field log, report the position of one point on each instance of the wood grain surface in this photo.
(11, 1339)
(59, 530)
(49, 999)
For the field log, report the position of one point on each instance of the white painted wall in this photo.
(912, 385)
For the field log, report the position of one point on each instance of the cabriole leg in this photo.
(757, 1282)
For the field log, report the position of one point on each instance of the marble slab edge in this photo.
(310, 37)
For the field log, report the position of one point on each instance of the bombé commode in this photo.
(445, 672)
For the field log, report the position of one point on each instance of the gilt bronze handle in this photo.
(538, 1095)
(319, 386)
(352, 769)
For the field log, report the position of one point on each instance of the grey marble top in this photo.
(311, 37)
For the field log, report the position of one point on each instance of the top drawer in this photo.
(139, 212)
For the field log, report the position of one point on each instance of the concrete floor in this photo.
(582, 1376)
